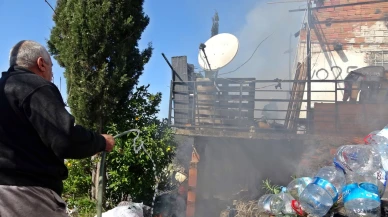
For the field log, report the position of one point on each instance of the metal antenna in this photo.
(50, 6)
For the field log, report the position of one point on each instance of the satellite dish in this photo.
(220, 50)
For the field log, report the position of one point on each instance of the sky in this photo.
(176, 28)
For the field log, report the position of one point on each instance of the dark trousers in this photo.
(16, 201)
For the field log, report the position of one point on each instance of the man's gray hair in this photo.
(25, 54)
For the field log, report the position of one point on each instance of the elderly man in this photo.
(36, 135)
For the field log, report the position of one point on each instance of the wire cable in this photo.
(304, 17)
(249, 57)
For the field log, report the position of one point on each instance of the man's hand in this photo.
(110, 142)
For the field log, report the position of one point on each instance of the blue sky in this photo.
(176, 28)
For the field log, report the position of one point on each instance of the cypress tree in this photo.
(96, 41)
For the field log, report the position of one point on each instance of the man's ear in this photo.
(40, 64)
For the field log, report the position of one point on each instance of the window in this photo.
(378, 58)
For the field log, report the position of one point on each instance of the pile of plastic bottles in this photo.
(357, 180)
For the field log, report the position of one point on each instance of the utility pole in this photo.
(308, 45)
(289, 52)
(290, 67)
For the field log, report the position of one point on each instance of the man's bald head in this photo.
(33, 56)
(25, 54)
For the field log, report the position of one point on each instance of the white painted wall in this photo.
(334, 62)
(331, 66)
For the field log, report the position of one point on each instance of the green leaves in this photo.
(270, 188)
(97, 42)
(131, 173)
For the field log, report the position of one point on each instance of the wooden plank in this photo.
(180, 93)
(205, 97)
(249, 105)
(324, 118)
(200, 120)
(223, 105)
(204, 79)
(213, 105)
(237, 89)
(179, 64)
(229, 121)
(200, 103)
(208, 98)
(353, 119)
(191, 76)
(229, 80)
(236, 113)
(223, 102)
(224, 114)
(237, 97)
(205, 112)
(201, 88)
(214, 99)
(293, 112)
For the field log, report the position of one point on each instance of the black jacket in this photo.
(37, 133)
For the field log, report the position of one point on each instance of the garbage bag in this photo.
(132, 210)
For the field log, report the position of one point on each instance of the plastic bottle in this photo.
(379, 140)
(381, 177)
(364, 160)
(287, 199)
(270, 204)
(358, 158)
(383, 134)
(363, 200)
(320, 195)
(296, 186)
(382, 149)
(372, 138)
(352, 180)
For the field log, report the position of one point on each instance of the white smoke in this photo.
(270, 60)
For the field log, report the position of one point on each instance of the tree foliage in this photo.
(96, 41)
(129, 174)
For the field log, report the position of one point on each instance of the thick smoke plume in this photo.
(272, 58)
(228, 165)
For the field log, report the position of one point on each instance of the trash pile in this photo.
(128, 209)
(356, 181)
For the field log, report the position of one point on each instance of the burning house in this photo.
(338, 96)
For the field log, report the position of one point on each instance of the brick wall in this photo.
(360, 29)
(355, 27)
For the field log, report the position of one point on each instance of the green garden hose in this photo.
(100, 192)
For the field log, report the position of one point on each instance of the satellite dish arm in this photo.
(202, 47)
